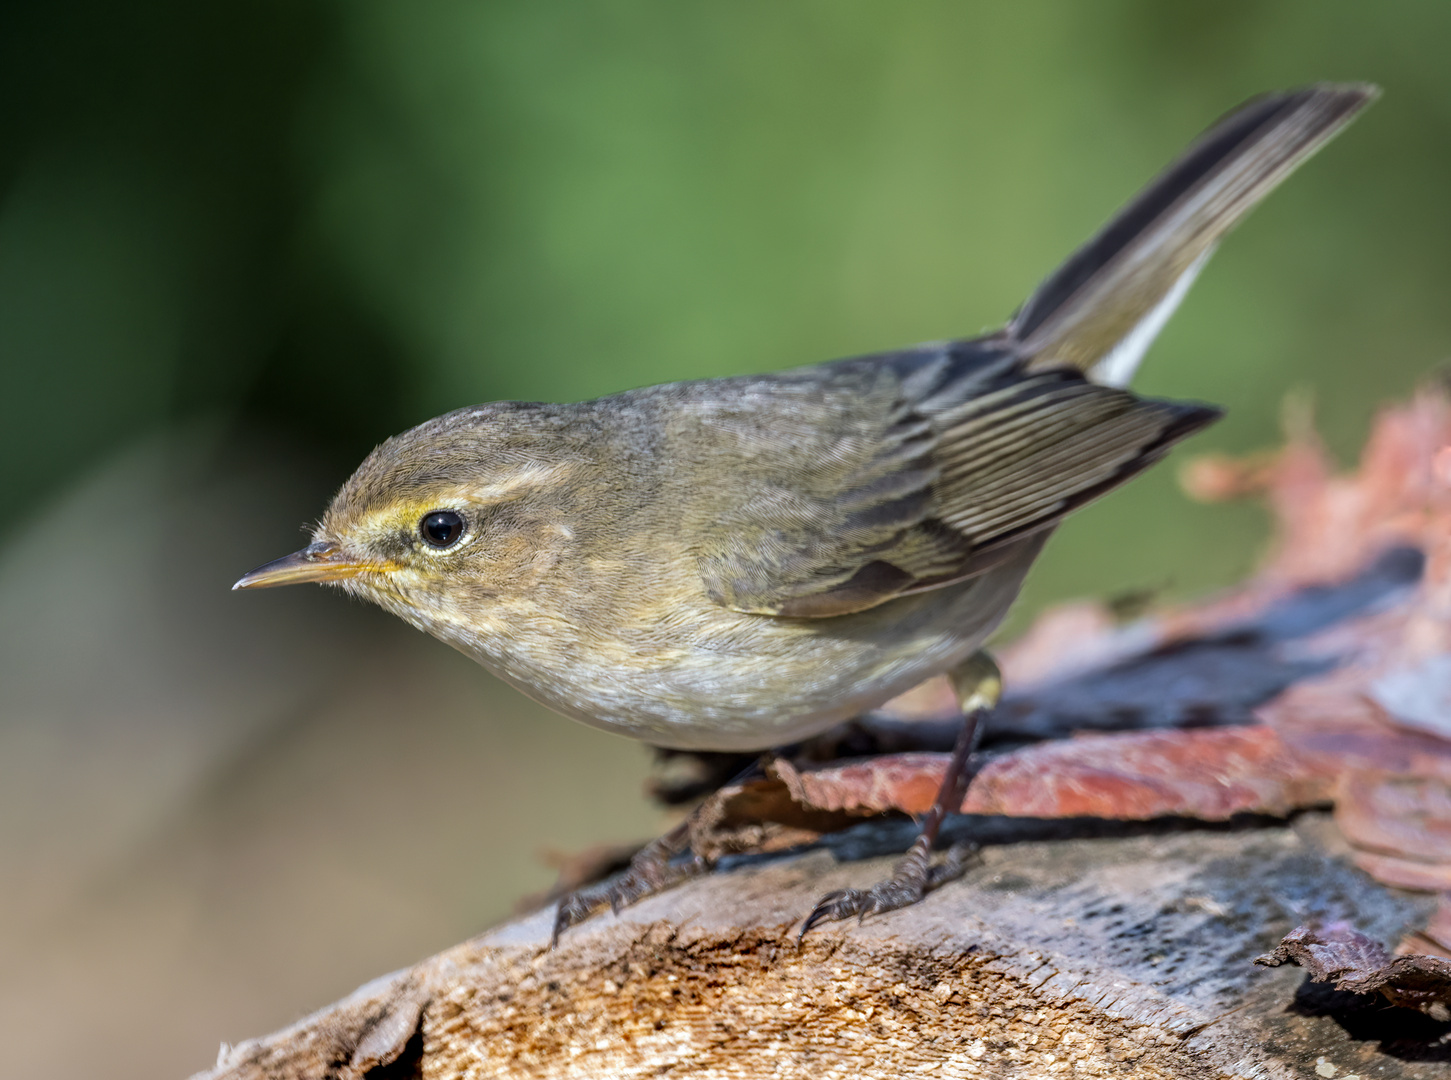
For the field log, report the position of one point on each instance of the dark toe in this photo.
(572, 910)
(833, 907)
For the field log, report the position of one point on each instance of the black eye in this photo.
(441, 528)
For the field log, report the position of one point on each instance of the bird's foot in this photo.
(655, 868)
(978, 685)
(912, 879)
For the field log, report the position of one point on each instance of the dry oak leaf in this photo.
(1341, 954)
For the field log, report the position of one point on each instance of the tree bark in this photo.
(1125, 955)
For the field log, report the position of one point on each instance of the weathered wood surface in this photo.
(1075, 956)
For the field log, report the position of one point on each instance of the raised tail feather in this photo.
(1100, 310)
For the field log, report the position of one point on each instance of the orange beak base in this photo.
(317, 562)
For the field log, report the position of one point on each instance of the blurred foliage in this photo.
(337, 219)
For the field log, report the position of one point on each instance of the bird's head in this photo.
(441, 522)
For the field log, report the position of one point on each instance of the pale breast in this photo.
(702, 677)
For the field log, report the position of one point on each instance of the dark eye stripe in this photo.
(441, 528)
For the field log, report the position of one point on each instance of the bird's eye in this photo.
(441, 528)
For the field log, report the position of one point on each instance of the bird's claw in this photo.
(650, 872)
(910, 881)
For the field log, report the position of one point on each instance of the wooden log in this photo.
(1062, 953)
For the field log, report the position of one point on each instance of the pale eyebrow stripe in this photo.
(528, 476)
(510, 486)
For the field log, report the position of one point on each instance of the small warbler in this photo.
(741, 563)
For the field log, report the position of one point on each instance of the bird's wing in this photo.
(865, 480)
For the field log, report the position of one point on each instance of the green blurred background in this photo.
(242, 242)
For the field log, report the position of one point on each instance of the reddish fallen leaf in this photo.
(1396, 814)
(904, 782)
(1211, 774)
(1340, 954)
(1327, 525)
(1402, 873)
(1331, 717)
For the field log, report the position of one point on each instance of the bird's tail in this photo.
(1102, 308)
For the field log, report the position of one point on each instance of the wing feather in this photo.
(986, 452)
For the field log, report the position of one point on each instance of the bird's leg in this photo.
(978, 685)
(653, 869)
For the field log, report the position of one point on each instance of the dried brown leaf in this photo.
(1340, 954)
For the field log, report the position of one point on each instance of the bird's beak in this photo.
(323, 561)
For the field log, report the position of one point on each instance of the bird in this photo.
(741, 563)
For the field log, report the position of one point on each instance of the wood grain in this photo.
(1078, 955)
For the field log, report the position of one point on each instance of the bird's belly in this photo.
(730, 681)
